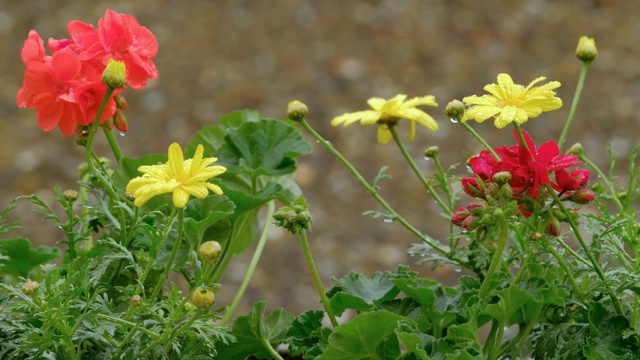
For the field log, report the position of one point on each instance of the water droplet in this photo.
(122, 133)
(427, 158)
(454, 120)
(457, 268)
(387, 220)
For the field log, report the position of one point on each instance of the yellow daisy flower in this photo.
(178, 176)
(389, 112)
(511, 102)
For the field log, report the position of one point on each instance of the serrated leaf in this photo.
(515, 306)
(254, 330)
(361, 337)
(265, 147)
(212, 137)
(360, 292)
(305, 331)
(21, 258)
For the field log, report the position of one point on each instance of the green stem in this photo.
(316, 278)
(131, 324)
(113, 143)
(417, 171)
(583, 244)
(604, 178)
(480, 139)
(567, 271)
(270, 349)
(574, 103)
(172, 256)
(372, 191)
(496, 259)
(229, 250)
(523, 336)
(252, 265)
(88, 146)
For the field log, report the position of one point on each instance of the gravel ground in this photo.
(219, 56)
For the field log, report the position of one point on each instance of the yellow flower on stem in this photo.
(389, 112)
(511, 102)
(181, 177)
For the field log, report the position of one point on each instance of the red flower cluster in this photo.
(66, 87)
(531, 169)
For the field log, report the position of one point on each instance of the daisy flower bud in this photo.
(135, 301)
(115, 74)
(575, 149)
(431, 152)
(586, 50)
(70, 195)
(297, 110)
(30, 287)
(210, 251)
(203, 298)
(455, 110)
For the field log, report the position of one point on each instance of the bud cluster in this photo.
(295, 218)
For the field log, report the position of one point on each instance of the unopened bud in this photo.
(82, 139)
(586, 50)
(120, 122)
(502, 177)
(553, 227)
(129, 196)
(135, 301)
(210, 251)
(70, 195)
(107, 124)
(536, 235)
(431, 152)
(582, 196)
(203, 298)
(454, 110)
(30, 287)
(297, 110)
(121, 102)
(115, 74)
(575, 149)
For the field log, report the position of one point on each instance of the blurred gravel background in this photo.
(219, 56)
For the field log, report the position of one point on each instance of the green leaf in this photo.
(129, 169)
(610, 340)
(305, 332)
(22, 258)
(515, 306)
(362, 337)
(212, 137)
(358, 292)
(265, 147)
(413, 340)
(254, 331)
(381, 176)
(203, 213)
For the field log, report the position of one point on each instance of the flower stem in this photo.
(113, 143)
(604, 178)
(583, 244)
(574, 103)
(567, 270)
(496, 259)
(252, 265)
(88, 146)
(480, 139)
(172, 256)
(417, 171)
(371, 190)
(316, 278)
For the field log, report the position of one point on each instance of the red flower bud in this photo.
(582, 196)
(472, 188)
(553, 227)
(120, 122)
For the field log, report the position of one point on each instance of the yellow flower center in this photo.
(510, 102)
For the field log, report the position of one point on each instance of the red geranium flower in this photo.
(121, 37)
(530, 165)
